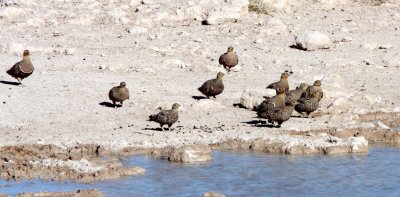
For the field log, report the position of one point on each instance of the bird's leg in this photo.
(121, 103)
(169, 127)
(115, 105)
(215, 97)
(162, 127)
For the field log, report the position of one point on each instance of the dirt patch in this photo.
(390, 119)
(78, 193)
(80, 163)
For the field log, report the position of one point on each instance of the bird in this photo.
(22, 69)
(316, 87)
(294, 95)
(213, 87)
(166, 117)
(281, 115)
(229, 59)
(119, 94)
(283, 83)
(308, 105)
(270, 103)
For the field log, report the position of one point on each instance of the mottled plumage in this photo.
(308, 105)
(22, 69)
(281, 115)
(283, 83)
(229, 59)
(119, 94)
(166, 117)
(277, 101)
(294, 95)
(316, 87)
(213, 87)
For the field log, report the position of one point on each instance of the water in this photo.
(249, 174)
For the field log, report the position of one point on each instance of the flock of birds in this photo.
(276, 109)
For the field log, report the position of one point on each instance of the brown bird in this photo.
(277, 101)
(213, 87)
(316, 87)
(22, 69)
(283, 83)
(281, 115)
(119, 94)
(166, 117)
(229, 59)
(308, 105)
(294, 95)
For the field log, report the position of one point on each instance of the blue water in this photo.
(249, 174)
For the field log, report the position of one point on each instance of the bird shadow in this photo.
(239, 105)
(108, 104)
(260, 123)
(10, 83)
(199, 97)
(154, 129)
(296, 47)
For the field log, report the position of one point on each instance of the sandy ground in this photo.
(81, 50)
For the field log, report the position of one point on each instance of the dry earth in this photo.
(164, 50)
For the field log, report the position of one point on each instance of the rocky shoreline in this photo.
(86, 163)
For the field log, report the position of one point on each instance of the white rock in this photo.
(275, 26)
(331, 3)
(137, 30)
(334, 86)
(191, 154)
(251, 98)
(281, 5)
(206, 105)
(11, 12)
(368, 62)
(227, 10)
(347, 39)
(382, 125)
(35, 22)
(312, 40)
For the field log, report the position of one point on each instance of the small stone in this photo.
(259, 40)
(137, 30)
(347, 39)
(368, 62)
(387, 46)
(213, 194)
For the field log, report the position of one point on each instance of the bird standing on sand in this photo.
(294, 95)
(166, 117)
(308, 105)
(213, 87)
(316, 87)
(269, 104)
(281, 115)
(229, 59)
(119, 94)
(22, 69)
(283, 83)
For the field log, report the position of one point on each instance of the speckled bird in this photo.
(270, 103)
(119, 94)
(166, 117)
(229, 59)
(316, 87)
(23, 68)
(308, 105)
(282, 83)
(281, 115)
(294, 95)
(213, 87)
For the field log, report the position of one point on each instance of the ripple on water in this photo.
(248, 174)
